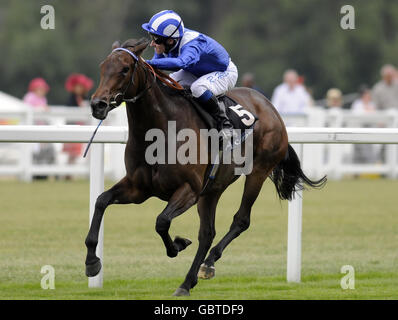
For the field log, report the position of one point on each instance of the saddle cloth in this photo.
(239, 117)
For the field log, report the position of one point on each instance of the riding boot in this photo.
(217, 110)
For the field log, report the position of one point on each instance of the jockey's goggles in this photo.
(162, 40)
(157, 39)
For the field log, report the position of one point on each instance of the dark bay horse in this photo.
(150, 104)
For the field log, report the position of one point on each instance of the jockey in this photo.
(202, 63)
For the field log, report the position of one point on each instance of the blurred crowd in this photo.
(292, 96)
(78, 86)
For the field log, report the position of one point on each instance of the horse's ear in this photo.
(142, 44)
(116, 44)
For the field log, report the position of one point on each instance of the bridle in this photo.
(163, 78)
(113, 100)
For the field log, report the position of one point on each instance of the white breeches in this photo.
(217, 82)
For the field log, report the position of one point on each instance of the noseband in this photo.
(113, 100)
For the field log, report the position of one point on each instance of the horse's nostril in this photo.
(102, 104)
(93, 102)
(97, 103)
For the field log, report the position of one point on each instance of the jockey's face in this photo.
(161, 48)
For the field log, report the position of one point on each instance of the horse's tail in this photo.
(288, 176)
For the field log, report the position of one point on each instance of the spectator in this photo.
(36, 96)
(249, 82)
(301, 80)
(43, 153)
(385, 92)
(78, 85)
(334, 98)
(364, 103)
(365, 153)
(290, 96)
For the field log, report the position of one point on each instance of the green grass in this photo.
(351, 222)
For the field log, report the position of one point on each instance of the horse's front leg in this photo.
(123, 192)
(180, 201)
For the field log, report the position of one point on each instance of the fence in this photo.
(335, 160)
(297, 136)
(17, 159)
(340, 160)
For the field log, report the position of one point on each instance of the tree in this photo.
(262, 36)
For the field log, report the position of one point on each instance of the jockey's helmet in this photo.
(166, 24)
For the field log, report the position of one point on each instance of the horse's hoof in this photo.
(206, 272)
(93, 269)
(181, 243)
(172, 253)
(181, 292)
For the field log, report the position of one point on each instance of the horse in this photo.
(125, 76)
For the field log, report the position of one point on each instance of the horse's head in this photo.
(118, 76)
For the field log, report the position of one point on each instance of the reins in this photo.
(163, 77)
(166, 79)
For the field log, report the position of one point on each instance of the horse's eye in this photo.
(125, 70)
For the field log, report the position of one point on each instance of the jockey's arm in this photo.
(157, 56)
(190, 54)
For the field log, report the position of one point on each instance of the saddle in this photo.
(240, 118)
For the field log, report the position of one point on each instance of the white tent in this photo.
(9, 103)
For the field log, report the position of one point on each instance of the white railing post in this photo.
(26, 160)
(336, 151)
(313, 154)
(96, 188)
(295, 211)
(392, 154)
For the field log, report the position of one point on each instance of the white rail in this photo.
(336, 160)
(297, 136)
(111, 134)
(25, 161)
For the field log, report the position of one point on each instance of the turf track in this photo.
(352, 222)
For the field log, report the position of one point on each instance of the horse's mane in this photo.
(131, 43)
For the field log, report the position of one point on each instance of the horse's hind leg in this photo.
(122, 192)
(180, 201)
(240, 223)
(207, 211)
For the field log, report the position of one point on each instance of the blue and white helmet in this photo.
(166, 23)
